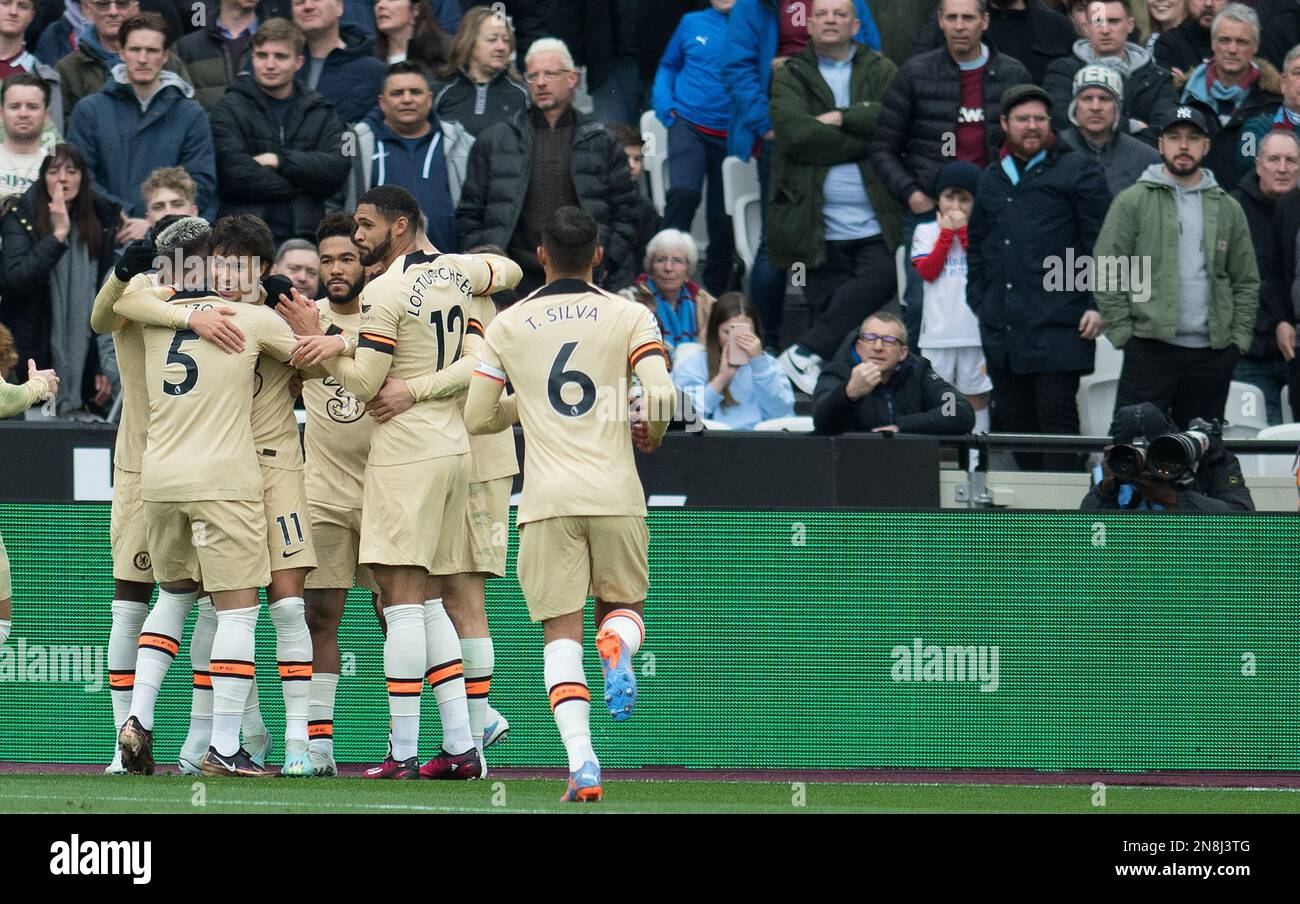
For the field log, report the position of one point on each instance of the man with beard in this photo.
(417, 318)
(1183, 48)
(337, 441)
(1037, 208)
(1183, 325)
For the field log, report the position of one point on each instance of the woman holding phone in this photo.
(735, 381)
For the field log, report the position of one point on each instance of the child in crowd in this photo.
(950, 334)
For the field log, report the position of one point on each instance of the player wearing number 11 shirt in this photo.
(415, 318)
(569, 350)
(200, 479)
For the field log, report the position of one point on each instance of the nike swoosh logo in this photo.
(290, 555)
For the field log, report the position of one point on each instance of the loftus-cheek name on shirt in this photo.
(427, 278)
(563, 312)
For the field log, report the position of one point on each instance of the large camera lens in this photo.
(1126, 461)
(1176, 454)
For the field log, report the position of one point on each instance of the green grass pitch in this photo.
(182, 794)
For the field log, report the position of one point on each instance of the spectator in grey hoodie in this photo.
(1148, 90)
(1187, 313)
(1094, 111)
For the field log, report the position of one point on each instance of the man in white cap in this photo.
(1094, 112)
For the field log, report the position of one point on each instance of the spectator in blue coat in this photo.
(143, 119)
(341, 64)
(734, 381)
(760, 33)
(686, 100)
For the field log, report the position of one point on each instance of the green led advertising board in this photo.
(797, 640)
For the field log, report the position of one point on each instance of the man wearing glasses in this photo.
(541, 159)
(873, 384)
(1037, 214)
(85, 70)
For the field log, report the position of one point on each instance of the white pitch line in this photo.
(271, 803)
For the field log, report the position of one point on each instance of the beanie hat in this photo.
(1095, 75)
(958, 174)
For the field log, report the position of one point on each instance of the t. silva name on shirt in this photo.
(562, 312)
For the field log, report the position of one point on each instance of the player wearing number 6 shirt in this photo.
(15, 399)
(569, 350)
(200, 478)
(414, 322)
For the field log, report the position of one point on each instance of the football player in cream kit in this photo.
(414, 324)
(582, 529)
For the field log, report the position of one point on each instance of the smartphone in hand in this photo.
(736, 356)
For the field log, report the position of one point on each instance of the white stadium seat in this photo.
(1096, 400)
(801, 424)
(747, 228)
(1109, 360)
(656, 158)
(739, 180)
(1244, 414)
(900, 277)
(1272, 465)
(713, 425)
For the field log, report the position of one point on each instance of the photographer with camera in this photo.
(1151, 466)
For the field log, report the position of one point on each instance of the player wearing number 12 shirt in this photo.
(581, 521)
(414, 322)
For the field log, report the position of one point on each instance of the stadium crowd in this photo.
(1018, 152)
(960, 199)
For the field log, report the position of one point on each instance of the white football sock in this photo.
(320, 725)
(253, 725)
(293, 650)
(479, 657)
(566, 684)
(446, 675)
(232, 674)
(205, 629)
(159, 641)
(628, 626)
(5, 626)
(404, 662)
(123, 643)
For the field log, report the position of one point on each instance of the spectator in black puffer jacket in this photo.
(873, 384)
(1182, 49)
(1276, 165)
(942, 105)
(550, 156)
(278, 144)
(1280, 22)
(480, 86)
(215, 54)
(1032, 32)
